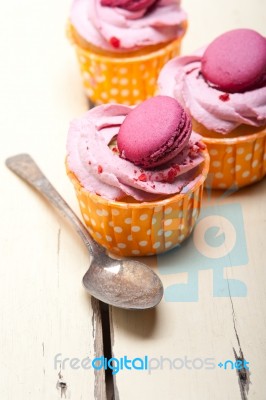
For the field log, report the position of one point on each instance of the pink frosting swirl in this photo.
(118, 29)
(218, 111)
(100, 170)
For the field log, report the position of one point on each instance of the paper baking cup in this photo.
(124, 80)
(236, 162)
(141, 229)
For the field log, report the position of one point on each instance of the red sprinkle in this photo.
(89, 162)
(142, 178)
(201, 145)
(115, 149)
(176, 167)
(171, 174)
(153, 186)
(100, 169)
(224, 97)
(115, 42)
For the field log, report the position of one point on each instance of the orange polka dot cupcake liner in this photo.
(123, 80)
(236, 162)
(141, 229)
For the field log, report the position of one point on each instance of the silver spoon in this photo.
(122, 283)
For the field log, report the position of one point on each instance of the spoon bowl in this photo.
(123, 283)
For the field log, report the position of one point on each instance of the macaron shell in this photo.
(154, 132)
(129, 5)
(236, 61)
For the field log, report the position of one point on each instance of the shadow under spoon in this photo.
(122, 283)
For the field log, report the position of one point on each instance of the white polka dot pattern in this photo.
(127, 80)
(236, 164)
(139, 229)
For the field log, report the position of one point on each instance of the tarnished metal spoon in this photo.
(122, 283)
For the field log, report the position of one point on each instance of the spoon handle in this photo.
(26, 168)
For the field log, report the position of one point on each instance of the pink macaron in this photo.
(130, 5)
(154, 132)
(236, 61)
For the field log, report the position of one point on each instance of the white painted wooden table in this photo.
(202, 321)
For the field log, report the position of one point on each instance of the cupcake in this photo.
(138, 174)
(121, 45)
(223, 88)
